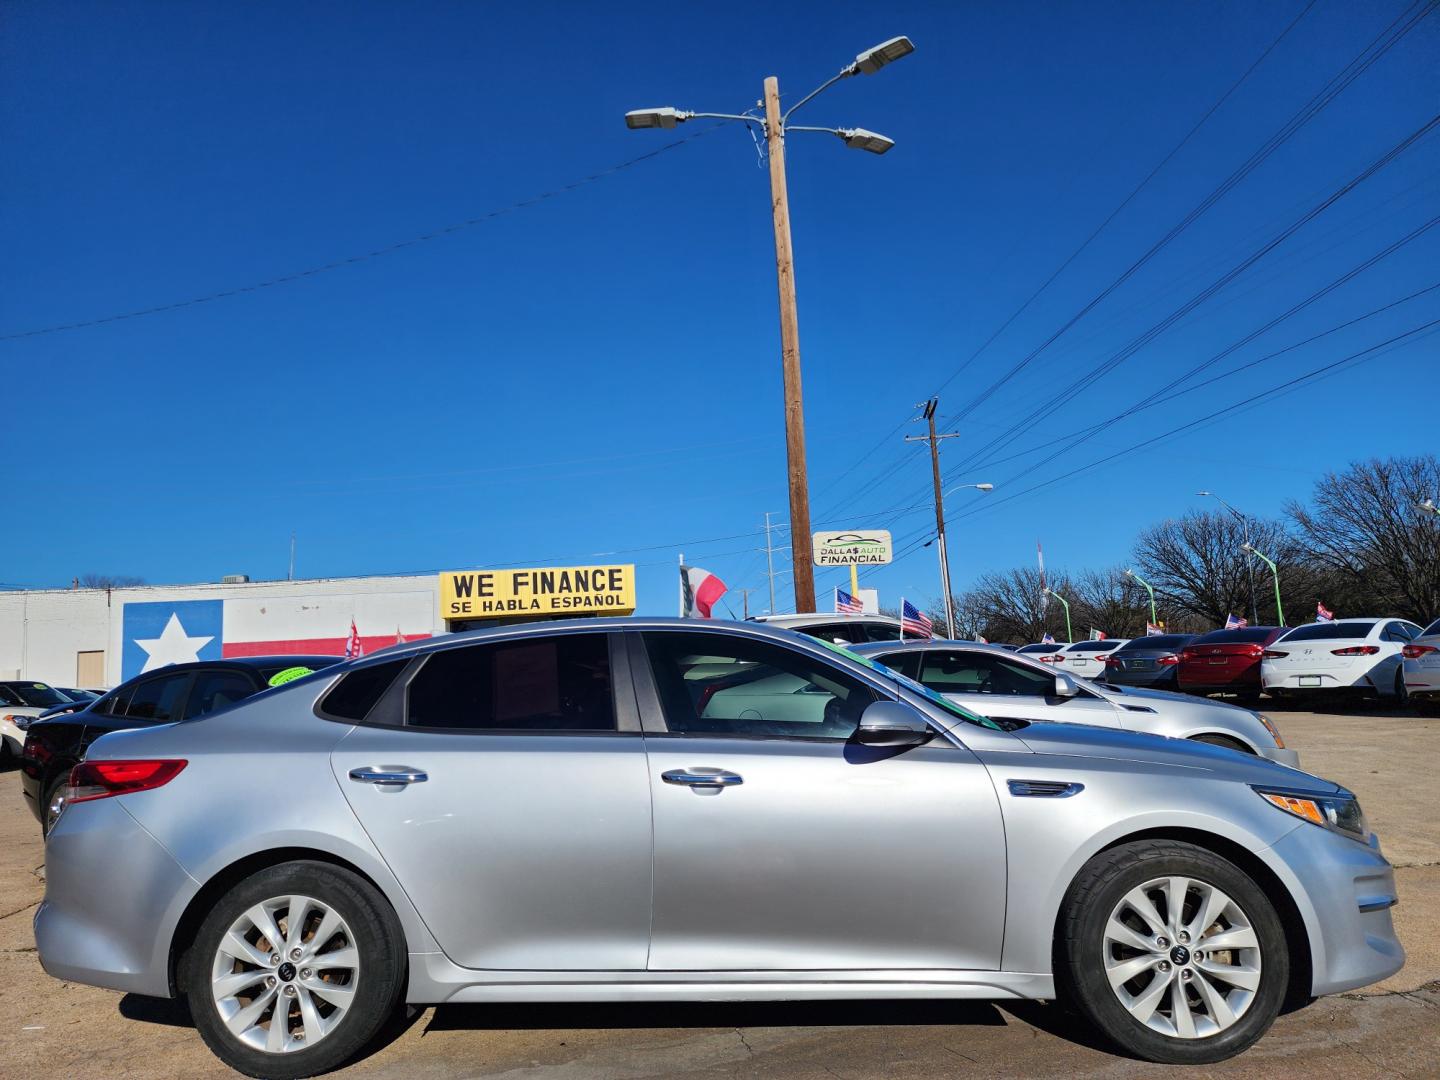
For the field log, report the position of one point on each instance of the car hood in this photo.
(1082, 740)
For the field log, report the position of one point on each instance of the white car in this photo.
(1351, 656)
(21, 700)
(1421, 665)
(837, 628)
(1087, 658)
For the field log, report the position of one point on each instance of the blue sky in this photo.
(600, 372)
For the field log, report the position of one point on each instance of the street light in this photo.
(1154, 618)
(1069, 634)
(775, 127)
(1249, 566)
(1429, 507)
(945, 553)
(1274, 571)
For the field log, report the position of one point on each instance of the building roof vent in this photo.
(235, 579)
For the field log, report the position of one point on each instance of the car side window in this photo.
(559, 683)
(159, 699)
(980, 673)
(725, 684)
(839, 633)
(216, 689)
(883, 632)
(8, 696)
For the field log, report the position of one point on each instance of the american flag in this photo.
(1323, 614)
(1234, 622)
(846, 603)
(914, 622)
(1048, 639)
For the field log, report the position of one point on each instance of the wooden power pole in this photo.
(934, 441)
(800, 542)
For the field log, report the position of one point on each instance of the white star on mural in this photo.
(173, 646)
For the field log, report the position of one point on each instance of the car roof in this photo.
(822, 617)
(865, 648)
(247, 663)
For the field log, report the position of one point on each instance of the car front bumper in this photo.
(1349, 889)
(113, 896)
(1281, 757)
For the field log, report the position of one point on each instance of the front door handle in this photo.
(388, 774)
(702, 777)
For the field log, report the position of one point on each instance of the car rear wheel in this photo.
(1402, 692)
(1173, 952)
(295, 968)
(53, 802)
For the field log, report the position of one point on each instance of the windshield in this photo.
(37, 694)
(1331, 631)
(924, 691)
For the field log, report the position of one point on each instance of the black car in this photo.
(55, 745)
(1152, 661)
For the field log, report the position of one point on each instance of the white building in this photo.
(100, 637)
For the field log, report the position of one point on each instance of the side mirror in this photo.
(1065, 686)
(892, 723)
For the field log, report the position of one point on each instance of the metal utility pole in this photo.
(1274, 572)
(934, 441)
(1069, 633)
(770, 562)
(292, 558)
(776, 125)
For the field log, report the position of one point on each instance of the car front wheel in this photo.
(295, 968)
(1173, 952)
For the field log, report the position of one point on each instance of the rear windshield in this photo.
(1039, 648)
(1329, 631)
(1157, 641)
(1433, 628)
(37, 694)
(1254, 635)
(1094, 646)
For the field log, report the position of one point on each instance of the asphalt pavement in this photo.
(56, 1029)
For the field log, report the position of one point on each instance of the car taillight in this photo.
(1112, 660)
(101, 779)
(1357, 650)
(1414, 652)
(1167, 659)
(1188, 654)
(1273, 654)
(1257, 650)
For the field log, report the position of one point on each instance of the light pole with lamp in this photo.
(1069, 634)
(1275, 573)
(1249, 566)
(775, 127)
(945, 554)
(1154, 618)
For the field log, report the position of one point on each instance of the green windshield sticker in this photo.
(41, 686)
(290, 674)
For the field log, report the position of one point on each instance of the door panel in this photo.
(828, 856)
(526, 852)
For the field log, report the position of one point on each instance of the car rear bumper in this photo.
(1158, 677)
(112, 898)
(1350, 889)
(1202, 679)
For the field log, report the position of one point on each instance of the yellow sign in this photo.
(540, 591)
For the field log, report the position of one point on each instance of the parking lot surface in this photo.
(55, 1029)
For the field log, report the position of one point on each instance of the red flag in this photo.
(353, 648)
(700, 589)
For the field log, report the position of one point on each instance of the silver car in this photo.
(996, 683)
(644, 810)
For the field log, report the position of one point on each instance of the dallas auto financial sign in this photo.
(857, 547)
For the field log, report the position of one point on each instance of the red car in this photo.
(1226, 661)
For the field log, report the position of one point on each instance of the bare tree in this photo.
(1364, 527)
(1111, 602)
(1008, 606)
(108, 581)
(1196, 562)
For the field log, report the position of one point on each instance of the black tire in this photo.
(1080, 943)
(1402, 692)
(378, 937)
(1222, 740)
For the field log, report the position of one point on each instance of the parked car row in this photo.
(616, 809)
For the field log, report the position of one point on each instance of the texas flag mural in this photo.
(157, 633)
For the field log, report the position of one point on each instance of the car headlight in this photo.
(1270, 727)
(1339, 812)
(21, 722)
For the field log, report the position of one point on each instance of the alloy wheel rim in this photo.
(1182, 957)
(285, 974)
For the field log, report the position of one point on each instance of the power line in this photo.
(389, 249)
(1410, 18)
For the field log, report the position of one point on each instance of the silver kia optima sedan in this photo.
(644, 810)
(996, 683)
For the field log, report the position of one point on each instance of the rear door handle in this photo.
(388, 774)
(702, 777)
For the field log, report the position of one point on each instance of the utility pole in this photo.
(770, 562)
(292, 557)
(745, 602)
(800, 543)
(934, 441)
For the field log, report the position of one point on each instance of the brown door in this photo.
(90, 668)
